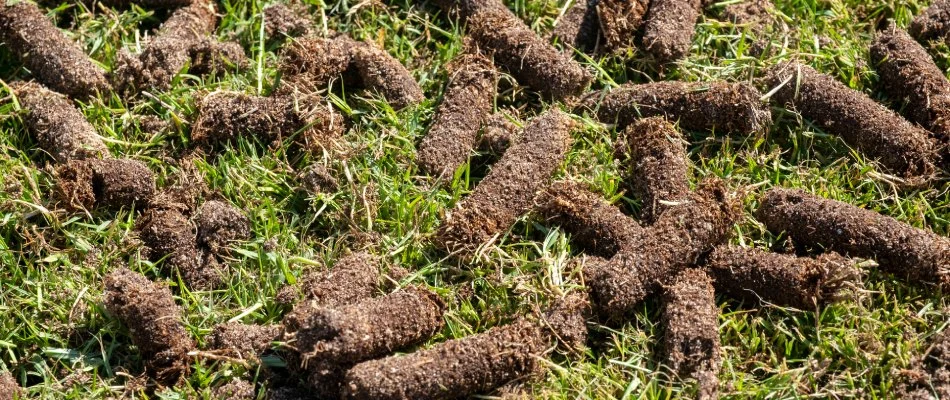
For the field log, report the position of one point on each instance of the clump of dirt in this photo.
(579, 27)
(595, 225)
(379, 71)
(755, 13)
(59, 127)
(148, 310)
(236, 389)
(916, 255)
(210, 57)
(677, 240)
(669, 28)
(498, 133)
(619, 22)
(691, 330)
(531, 60)
(933, 24)
(149, 4)
(167, 231)
(909, 75)
(781, 279)
(508, 191)
(287, 20)
(465, 106)
(653, 156)
(220, 224)
(310, 63)
(51, 57)
(9, 389)
(929, 376)
(111, 183)
(453, 369)
(224, 115)
(317, 179)
(566, 322)
(875, 130)
(723, 107)
(242, 340)
(465, 9)
(355, 277)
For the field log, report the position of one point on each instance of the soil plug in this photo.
(379, 71)
(691, 330)
(497, 134)
(669, 28)
(619, 22)
(220, 224)
(242, 340)
(579, 27)
(355, 277)
(9, 389)
(112, 183)
(655, 164)
(287, 20)
(59, 127)
(933, 24)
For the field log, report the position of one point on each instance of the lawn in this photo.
(60, 343)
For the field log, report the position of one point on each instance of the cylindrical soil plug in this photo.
(669, 28)
(653, 157)
(112, 183)
(691, 330)
(58, 126)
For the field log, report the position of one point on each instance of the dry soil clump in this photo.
(878, 132)
(718, 106)
(242, 340)
(310, 63)
(669, 28)
(691, 330)
(933, 24)
(111, 183)
(59, 127)
(9, 389)
(465, 106)
(148, 310)
(653, 156)
(236, 389)
(752, 12)
(508, 191)
(579, 27)
(619, 22)
(51, 57)
(355, 277)
(287, 20)
(379, 71)
(566, 322)
(220, 224)
(914, 254)
(929, 376)
(781, 279)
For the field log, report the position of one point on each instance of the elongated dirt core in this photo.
(57, 125)
(654, 164)
(690, 321)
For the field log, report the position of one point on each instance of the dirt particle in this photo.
(929, 375)
(220, 224)
(51, 57)
(691, 330)
(287, 20)
(59, 127)
(722, 107)
(508, 191)
(111, 183)
(317, 179)
(236, 389)
(465, 106)
(497, 134)
(531, 60)
(861, 122)
(655, 165)
(916, 255)
(579, 27)
(669, 27)
(354, 277)
(9, 389)
(933, 24)
(242, 340)
(149, 311)
(619, 22)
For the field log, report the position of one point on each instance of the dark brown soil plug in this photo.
(566, 321)
(691, 330)
(933, 24)
(9, 389)
(287, 20)
(752, 12)
(211, 57)
(223, 116)
(579, 27)
(220, 225)
(383, 73)
(596, 226)
(465, 106)
(465, 9)
(878, 132)
(718, 106)
(453, 369)
(59, 127)
(929, 375)
(148, 310)
(508, 191)
(916, 255)
(51, 57)
(497, 134)
(669, 28)
(909, 75)
(619, 22)
(169, 235)
(112, 183)
(781, 279)
(236, 389)
(531, 60)
(310, 63)
(244, 341)
(355, 277)
(677, 240)
(653, 156)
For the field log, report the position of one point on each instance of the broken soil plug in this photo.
(310, 63)
(933, 24)
(498, 133)
(57, 125)
(579, 27)
(669, 28)
(283, 20)
(220, 224)
(619, 22)
(655, 165)
(690, 321)
(243, 341)
(355, 277)
(111, 183)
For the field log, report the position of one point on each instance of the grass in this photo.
(59, 342)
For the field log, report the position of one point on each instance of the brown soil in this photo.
(379, 71)
(211, 57)
(453, 369)
(498, 133)
(781, 279)
(310, 63)
(909, 75)
(318, 179)
(914, 254)
(677, 240)
(755, 13)
(220, 224)
(465, 106)
(531, 60)
(691, 330)
(59, 127)
(566, 321)
(669, 27)
(51, 57)
(241, 340)
(111, 183)
(465, 9)
(148, 310)
(148, 4)
(508, 191)
(723, 107)
(653, 157)
(933, 24)
(880, 133)
(287, 20)
(9, 389)
(355, 277)
(579, 27)
(619, 22)
(596, 226)
(167, 231)
(236, 389)
(929, 375)
(224, 115)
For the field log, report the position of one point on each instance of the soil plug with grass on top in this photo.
(619, 22)
(690, 323)
(579, 27)
(353, 278)
(57, 125)
(111, 183)
(880, 133)
(149, 311)
(465, 106)
(52, 58)
(933, 24)
(508, 191)
(669, 28)
(723, 107)
(655, 165)
(311, 63)
(916, 255)
(781, 279)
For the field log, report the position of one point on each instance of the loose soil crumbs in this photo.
(355, 277)
(579, 27)
(933, 24)
(111, 183)
(236, 389)
(755, 13)
(619, 22)
(691, 330)
(318, 179)
(669, 28)
(59, 127)
(653, 157)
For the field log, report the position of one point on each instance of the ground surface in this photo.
(57, 339)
